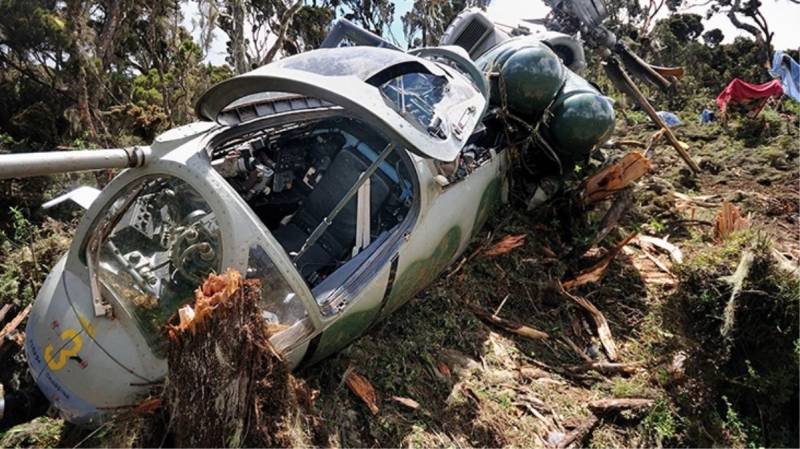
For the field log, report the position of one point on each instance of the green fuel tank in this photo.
(582, 118)
(530, 76)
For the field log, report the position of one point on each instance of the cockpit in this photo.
(294, 175)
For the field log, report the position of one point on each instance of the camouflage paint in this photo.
(489, 202)
(343, 331)
(420, 273)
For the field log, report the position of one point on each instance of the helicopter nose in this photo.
(77, 376)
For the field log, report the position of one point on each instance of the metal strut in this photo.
(328, 220)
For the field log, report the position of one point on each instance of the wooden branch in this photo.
(700, 201)
(736, 8)
(623, 76)
(13, 324)
(579, 433)
(674, 252)
(623, 143)
(603, 331)
(617, 405)
(4, 312)
(597, 271)
(677, 72)
(736, 280)
(286, 22)
(610, 221)
(361, 387)
(625, 369)
(508, 325)
(614, 178)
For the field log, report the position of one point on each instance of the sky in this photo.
(782, 16)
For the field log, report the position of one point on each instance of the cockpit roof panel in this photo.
(350, 77)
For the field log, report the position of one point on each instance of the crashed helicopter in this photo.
(345, 178)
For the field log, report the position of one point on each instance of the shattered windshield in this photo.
(165, 239)
(416, 96)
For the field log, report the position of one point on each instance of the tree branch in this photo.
(286, 22)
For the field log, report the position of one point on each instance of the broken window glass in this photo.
(152, 249)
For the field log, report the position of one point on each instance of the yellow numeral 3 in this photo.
(71, 336)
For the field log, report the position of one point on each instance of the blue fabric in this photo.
(707, 116)
(669, 118)
(788, 70)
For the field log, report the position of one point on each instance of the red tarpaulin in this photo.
(737, 91)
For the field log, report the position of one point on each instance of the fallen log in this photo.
(508, 325)
(226, 386)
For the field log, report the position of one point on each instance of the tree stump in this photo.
(227, 386)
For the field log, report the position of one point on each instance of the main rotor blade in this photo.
(623, 82)
(641, 69)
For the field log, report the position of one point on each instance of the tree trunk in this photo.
(226, 386)
(286, 22)
(76, 25)
(239, 52)
(760, 33)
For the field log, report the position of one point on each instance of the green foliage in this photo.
(312, 22)
(622, 387)
(739, 432)
(661, 422)
(145, 88)
(27, 255)
(684, 27)
(427, 20)
(792, 108)
(755, 368)
(636, 117)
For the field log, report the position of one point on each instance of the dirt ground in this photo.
(475, 385)
(480, 386)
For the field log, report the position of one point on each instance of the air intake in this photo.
(473, 31)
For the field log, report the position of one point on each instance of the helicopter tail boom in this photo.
(23, 165)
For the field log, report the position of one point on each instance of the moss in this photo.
(41, 432)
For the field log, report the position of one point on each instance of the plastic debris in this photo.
(669, 118)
